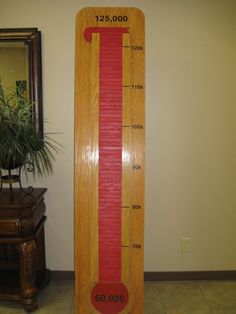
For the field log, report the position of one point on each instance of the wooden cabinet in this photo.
(23, 271)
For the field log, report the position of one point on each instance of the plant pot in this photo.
(12, 163)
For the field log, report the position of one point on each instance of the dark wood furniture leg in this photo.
(28, 270)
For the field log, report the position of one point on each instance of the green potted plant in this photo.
(20, 143)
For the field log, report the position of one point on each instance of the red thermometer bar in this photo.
(109, 295)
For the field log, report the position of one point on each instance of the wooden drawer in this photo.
(10, 227)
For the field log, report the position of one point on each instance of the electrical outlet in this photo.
(186, 244)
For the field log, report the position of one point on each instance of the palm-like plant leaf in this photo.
(19, 141)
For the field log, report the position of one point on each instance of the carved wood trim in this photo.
(28, 260)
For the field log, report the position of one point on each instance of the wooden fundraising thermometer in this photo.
(109, 161)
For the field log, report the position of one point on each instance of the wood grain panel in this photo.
(87, 152)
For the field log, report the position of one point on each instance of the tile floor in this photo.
(202, 297)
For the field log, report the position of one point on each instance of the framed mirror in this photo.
(21, 63)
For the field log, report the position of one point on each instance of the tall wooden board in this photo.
(109, 161)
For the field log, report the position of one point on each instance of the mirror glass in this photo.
(20, 63)
(14, 65)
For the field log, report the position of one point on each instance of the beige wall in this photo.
(191, 127)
